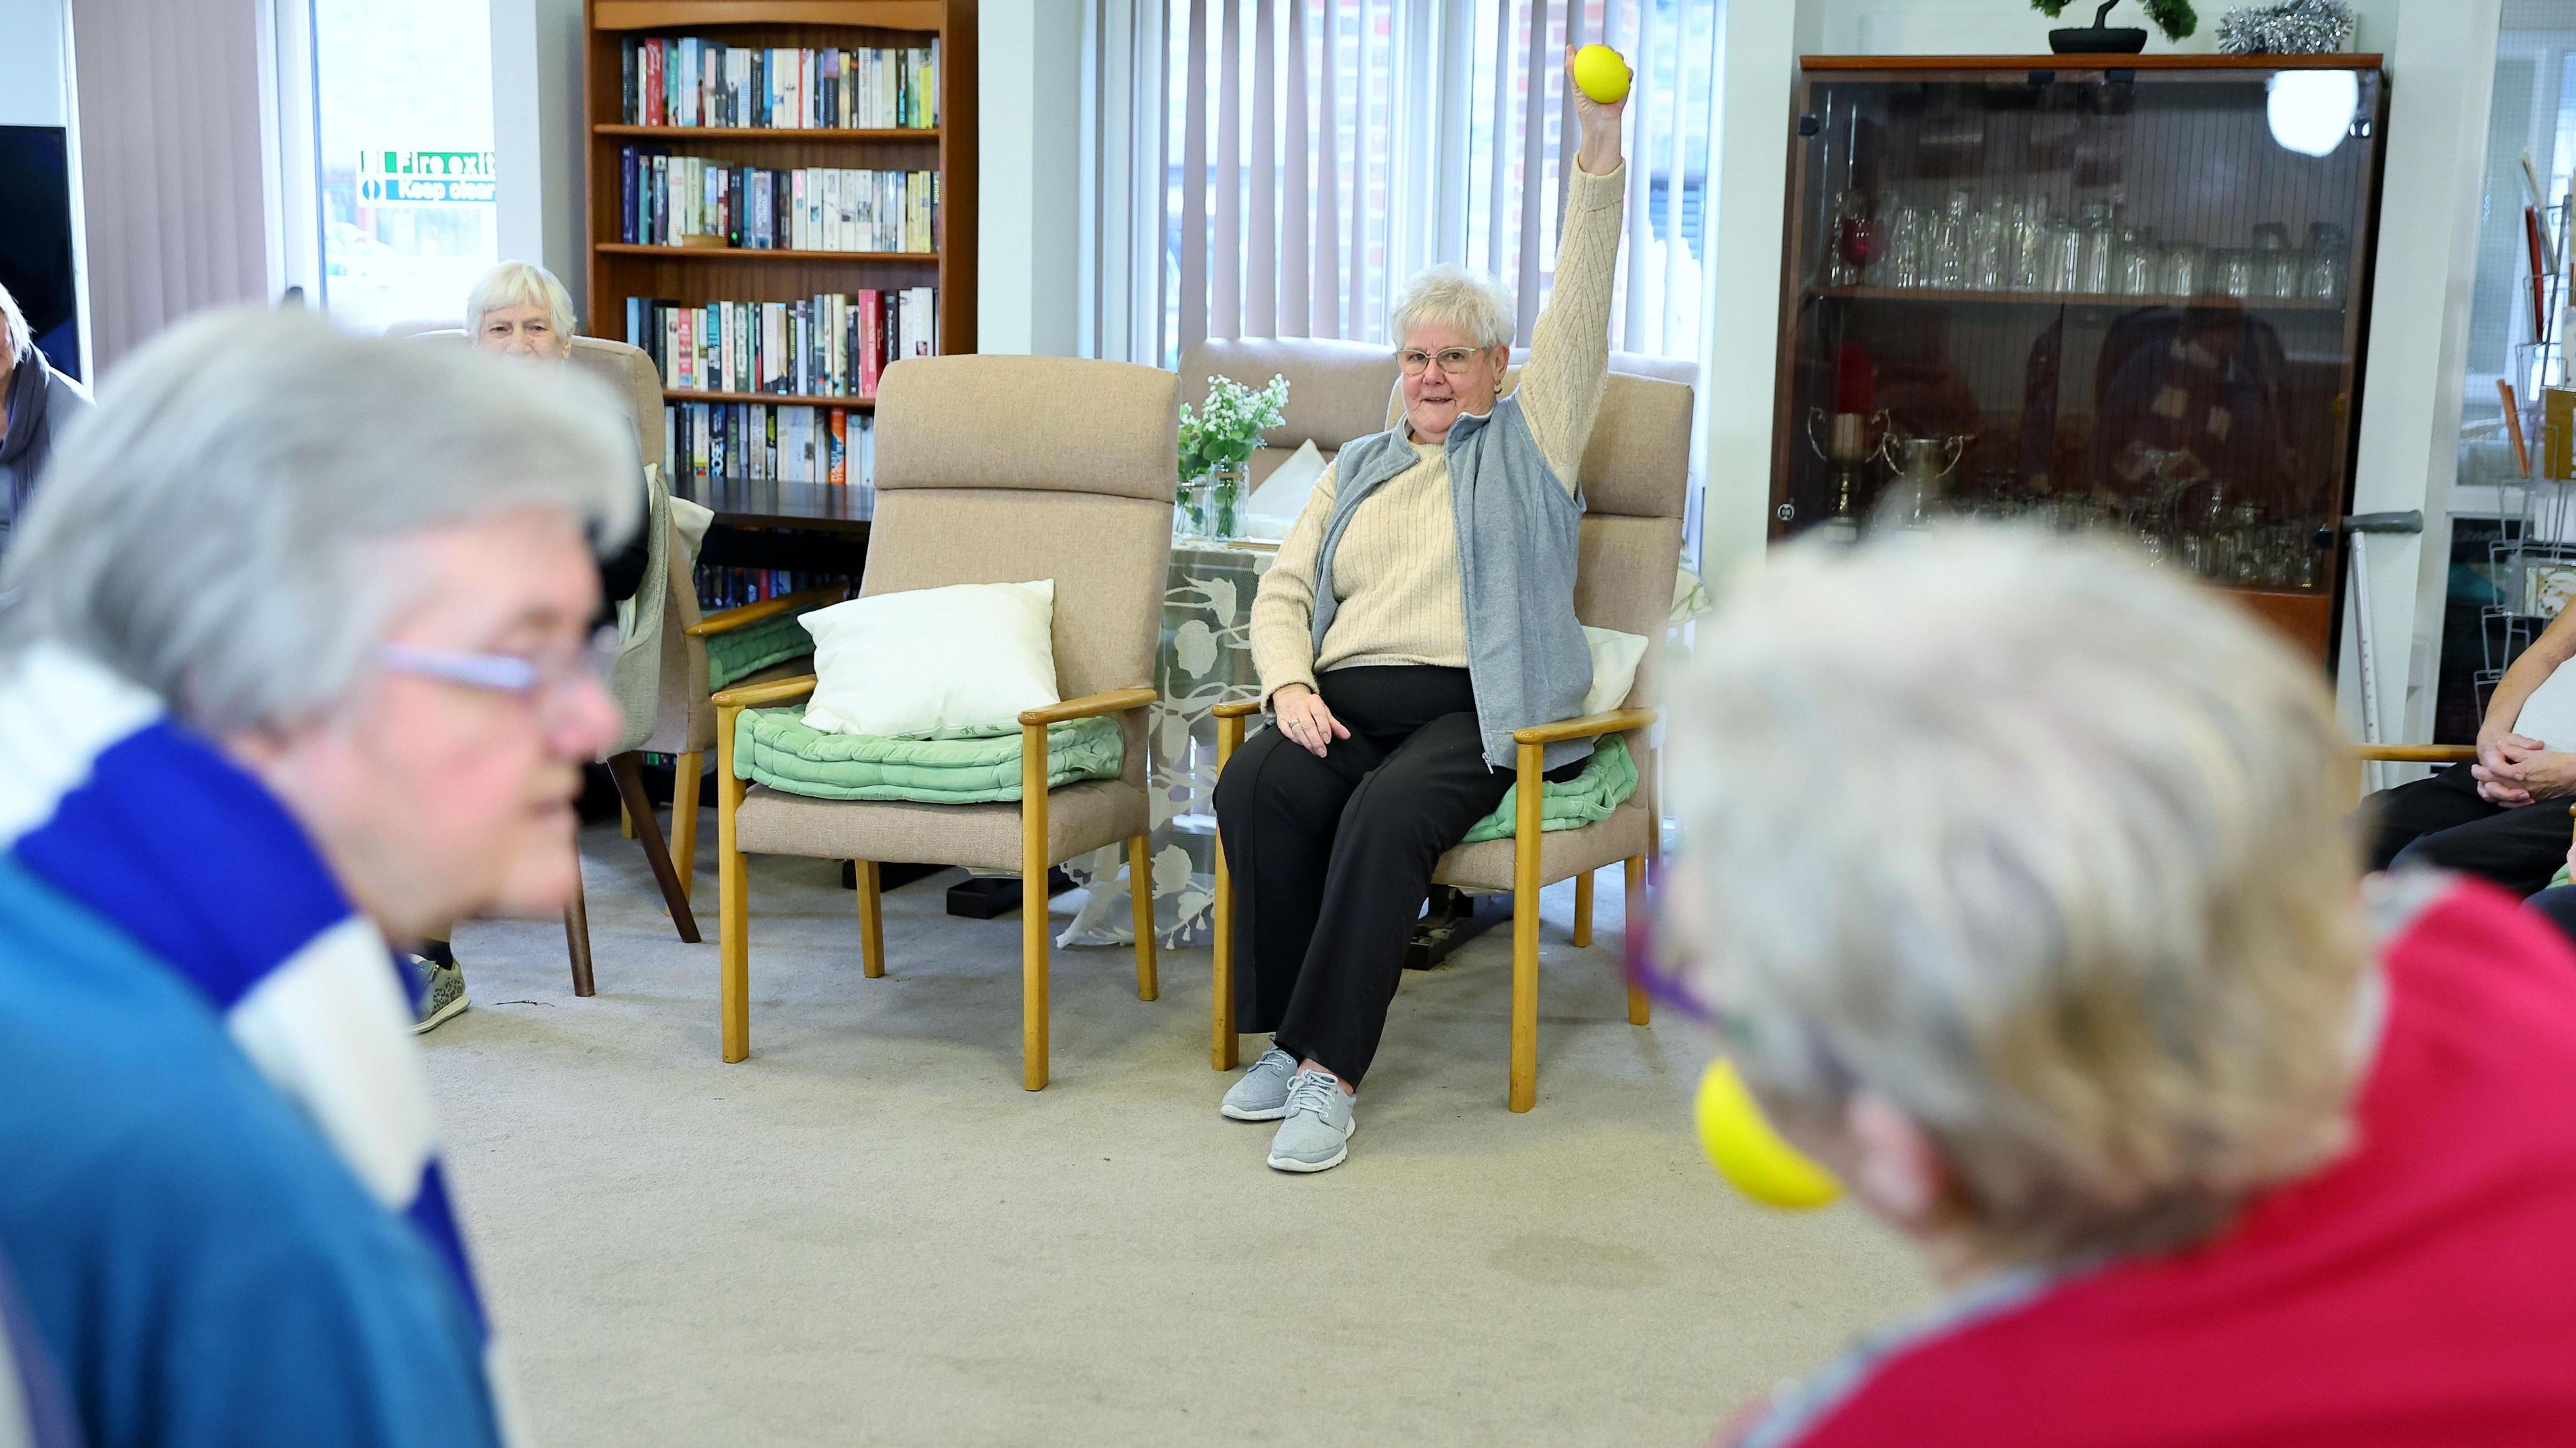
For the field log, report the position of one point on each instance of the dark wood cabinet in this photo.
(2126, 297)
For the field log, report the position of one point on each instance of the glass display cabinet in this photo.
(2123, 293)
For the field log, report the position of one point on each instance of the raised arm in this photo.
(1560, 387)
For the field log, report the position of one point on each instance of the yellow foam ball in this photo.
(1749, 1152)
(1601, 73)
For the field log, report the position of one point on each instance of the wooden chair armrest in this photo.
(2419, 753)
(1115, 701)
(751, 613)
(1237, 709)
(776, 691)
(1617, 721)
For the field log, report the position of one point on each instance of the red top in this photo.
(2420, 1290)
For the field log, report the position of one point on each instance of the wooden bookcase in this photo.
(620, 270)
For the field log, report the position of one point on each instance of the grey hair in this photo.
(15, 341)
(2045, 847)
(1472, 302)
(224, 528)
(520, 284)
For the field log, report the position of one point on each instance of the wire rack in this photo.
(2533, 557)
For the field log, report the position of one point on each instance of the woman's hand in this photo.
(1599, 155)
(1304, 719)
(2499, 770)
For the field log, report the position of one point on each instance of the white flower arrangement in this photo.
(1228, 426)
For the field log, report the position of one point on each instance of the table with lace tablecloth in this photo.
(1205, 658)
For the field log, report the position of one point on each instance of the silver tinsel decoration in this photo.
(2297, 27)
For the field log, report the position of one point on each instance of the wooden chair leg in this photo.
(733, 901)
(1033, 907)
(871, 921)
(1525, 887)
(1583, 908)
(1640, 1011)
(684, 819)
(1223, 1043)
(628, 770)
(625, 820)
(577, 931)
(1140, 893)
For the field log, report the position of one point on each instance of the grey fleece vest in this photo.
(1518, 540)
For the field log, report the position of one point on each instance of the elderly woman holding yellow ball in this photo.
(1421, 609)
(2076, 985)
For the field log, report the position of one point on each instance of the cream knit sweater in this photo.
(1395, 572)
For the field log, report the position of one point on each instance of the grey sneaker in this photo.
(442, 994)
(1262, 1094)
(1320, 1125)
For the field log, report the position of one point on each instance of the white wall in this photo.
(537, 141)
(2439, 57)
(1029, 231)
(34, 90)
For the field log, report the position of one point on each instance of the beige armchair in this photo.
(988, 470)
(1634, 478)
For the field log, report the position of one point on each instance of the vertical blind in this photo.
(1279, 167)
(173, 151)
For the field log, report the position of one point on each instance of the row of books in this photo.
(690, 81)
(809, 208)
(830, 345)
(720, 588)
(763, 441)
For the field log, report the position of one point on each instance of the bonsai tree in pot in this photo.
(2173, 17)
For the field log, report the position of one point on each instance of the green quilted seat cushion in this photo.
(774, 747)
(743, 652)
(1606, 781)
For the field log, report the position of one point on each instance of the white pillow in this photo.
(1615, 656)
(965, 656)
(1273, 507)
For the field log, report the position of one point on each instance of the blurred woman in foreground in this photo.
(2074, 982)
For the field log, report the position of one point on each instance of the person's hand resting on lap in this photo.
(1306, 721)
(2514, 769)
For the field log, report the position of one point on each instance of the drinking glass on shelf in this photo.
(2233, 272)
(1993, 233)
(1907, 233)
(2136, 263)
(2062, 256)
(2186, 269)
(1951, 240)
(2240, 545)
(2322, 278)
(2276, 263)
(2093, 272)
(1852, 235)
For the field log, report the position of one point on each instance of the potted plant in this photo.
(2173, 17)
(1215, 447)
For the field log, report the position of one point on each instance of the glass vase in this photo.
(1206, 507)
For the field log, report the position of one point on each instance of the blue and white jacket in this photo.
(112, 815)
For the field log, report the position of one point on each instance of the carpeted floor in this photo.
(867, 1233)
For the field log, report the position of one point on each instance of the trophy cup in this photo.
(1851, 439)
(1920, 465)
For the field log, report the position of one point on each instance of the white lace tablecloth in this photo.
(1205, 659)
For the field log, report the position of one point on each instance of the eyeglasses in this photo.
(1451, 359)
(546, 679)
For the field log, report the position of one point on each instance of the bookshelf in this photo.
(696, 274)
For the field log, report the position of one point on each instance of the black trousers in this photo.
(2441, 821)
(1332, 857)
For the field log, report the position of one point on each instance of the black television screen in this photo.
(36, 245)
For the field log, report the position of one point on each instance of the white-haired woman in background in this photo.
(36, 404)
(301, 660)
(1396, 674)
(2020, 884)
(519, 310)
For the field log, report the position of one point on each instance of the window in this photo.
(1312, 154)
(403, 163)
